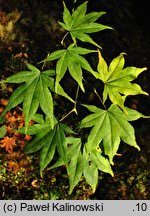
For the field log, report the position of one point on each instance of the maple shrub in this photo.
(57, 142)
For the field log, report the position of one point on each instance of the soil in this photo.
(36, 33)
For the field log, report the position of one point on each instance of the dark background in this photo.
(130, 19)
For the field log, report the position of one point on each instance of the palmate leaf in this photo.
(71, 59)
(48, 141)
(79, 24)
(109, 127)
(118, 80)
(34, 92)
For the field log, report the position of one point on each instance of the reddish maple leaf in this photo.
(10, 117)
(8, 143)
(9, 129)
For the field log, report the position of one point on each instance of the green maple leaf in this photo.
(80, 24)
(118, 80)
(71, 59)
(109, 127)
(48, 141)
(33, 91)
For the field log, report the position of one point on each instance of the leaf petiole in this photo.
(99, 98)
(73, 110)
(62, 41)
(43, 65)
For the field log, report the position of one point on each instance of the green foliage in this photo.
(33, 92)
(57, 143)
(117, 80)
(79, 24)
(72, 59)
(109, 127)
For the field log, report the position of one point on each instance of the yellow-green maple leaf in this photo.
(118, 80)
